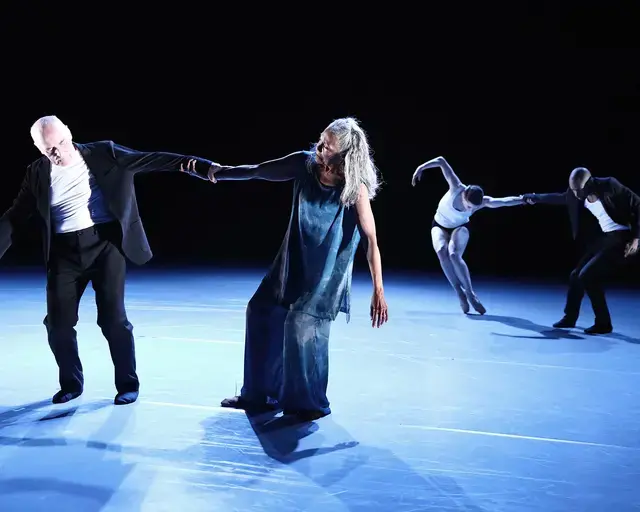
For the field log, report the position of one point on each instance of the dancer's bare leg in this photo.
(440, 240)
(457, 245)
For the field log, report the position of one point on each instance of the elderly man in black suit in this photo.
(84, 198)
(617, 210)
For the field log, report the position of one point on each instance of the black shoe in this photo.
(599, 329)
(62, 396)
(239, 402)
(128, 397)
(565, 323)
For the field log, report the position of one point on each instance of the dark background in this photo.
(514, 98)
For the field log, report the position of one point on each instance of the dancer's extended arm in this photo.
(557, 198)
(439, 161)
(367, 227)
(499, 202)
(24, 206)
(280, 169)
(156, 161)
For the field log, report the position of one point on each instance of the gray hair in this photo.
(38, 127)
(358, 164)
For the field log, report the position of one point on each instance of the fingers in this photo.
(190, 167)
(379, 315)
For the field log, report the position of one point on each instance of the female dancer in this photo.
(450, 232)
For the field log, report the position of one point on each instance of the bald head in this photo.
(53, 138)
(578, 181)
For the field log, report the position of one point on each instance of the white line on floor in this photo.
(517, 436)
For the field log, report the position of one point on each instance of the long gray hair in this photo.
(357, 163)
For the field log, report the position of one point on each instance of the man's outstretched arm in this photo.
(24, 205)
(556, 198)
(140, 161)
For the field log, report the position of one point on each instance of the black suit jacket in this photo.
(620, 203)
(114, 168)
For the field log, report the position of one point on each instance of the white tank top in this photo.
(448, 216)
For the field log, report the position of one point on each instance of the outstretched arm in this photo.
(24, 205)
(447, 172)
(499, 202)
(281, 169)
(556, 198)
(139, 161)
(367, 227)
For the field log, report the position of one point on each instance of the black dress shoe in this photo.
(128, 397)
(62, 396)
(565, 323)
(599, 329)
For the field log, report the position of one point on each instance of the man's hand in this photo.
(379, 311)
(529, 198)
(190, 168)
(632, 247)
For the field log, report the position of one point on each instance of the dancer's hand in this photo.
(379, 310)
(212, 173)
(189, 168)
(417, 175)
(529, 198)
(632, 247)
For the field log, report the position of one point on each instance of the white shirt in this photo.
(447, 215)
(606, 223)
(76, 199)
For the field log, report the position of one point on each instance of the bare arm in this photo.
(452, 179)
(367, 227)
(141, 162)
(499, 202)
(24, 205)
(281, 169)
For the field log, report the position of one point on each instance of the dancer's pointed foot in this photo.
(464, 303)
(477, 305)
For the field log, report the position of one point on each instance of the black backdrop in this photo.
(513, 106)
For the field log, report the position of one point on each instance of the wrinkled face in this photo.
(327, 151)
(56, 145)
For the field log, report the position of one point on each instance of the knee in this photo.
(109, 322)
(454, 254)
(443, 253)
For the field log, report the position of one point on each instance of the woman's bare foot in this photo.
(464, 304)
(477, 305)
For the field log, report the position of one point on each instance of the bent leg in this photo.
(575, 293)
(440, 241)
(65, 286)
(593, 275)
(108, 274)
(457, 246)
(306, 366)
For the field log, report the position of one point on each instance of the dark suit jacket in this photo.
(620, 203)
(114, 168)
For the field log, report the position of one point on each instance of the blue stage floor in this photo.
(434, 412)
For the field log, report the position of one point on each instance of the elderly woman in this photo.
(290, 315)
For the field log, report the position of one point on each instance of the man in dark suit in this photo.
(617, 211)
(84, 199)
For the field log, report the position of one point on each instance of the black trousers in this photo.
(77, 258)
(598, 262)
